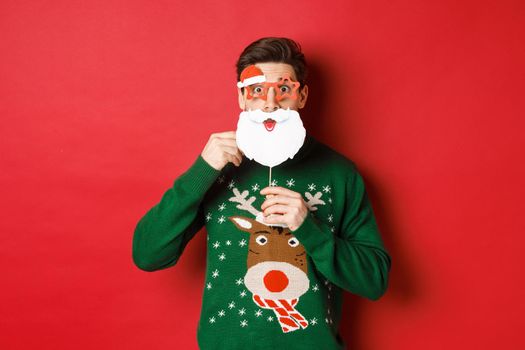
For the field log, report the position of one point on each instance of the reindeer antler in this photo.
(244, 204)
(313, 200)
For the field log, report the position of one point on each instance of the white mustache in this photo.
(259, 116)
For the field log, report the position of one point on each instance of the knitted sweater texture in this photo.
(269, 287)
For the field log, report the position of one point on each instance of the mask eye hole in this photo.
(293, 242)
(284, 89)
(261, 240)
(258, 90)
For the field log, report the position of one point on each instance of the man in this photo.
(279, 256)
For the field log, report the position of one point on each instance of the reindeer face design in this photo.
(276, 263)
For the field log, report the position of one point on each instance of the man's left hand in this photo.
(289, 205)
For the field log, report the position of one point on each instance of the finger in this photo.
(224, 135)
(228, 142)
(277, 219)
(234, 153)
(233, 159)
(277, 209)
(279, 199)
(232, 146)
(280, 190)
(230, 149)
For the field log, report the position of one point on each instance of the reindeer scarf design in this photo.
(276, 264)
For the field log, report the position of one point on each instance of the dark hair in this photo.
(272, 49)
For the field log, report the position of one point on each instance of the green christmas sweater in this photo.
(268, 287)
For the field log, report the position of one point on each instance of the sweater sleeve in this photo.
(355, 259)
(164, 231)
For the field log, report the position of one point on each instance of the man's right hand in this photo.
(222, 149)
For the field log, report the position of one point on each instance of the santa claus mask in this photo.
(269, 138)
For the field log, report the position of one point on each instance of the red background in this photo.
(104, 103)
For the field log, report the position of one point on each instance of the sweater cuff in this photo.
(311, 234)
(200, 176)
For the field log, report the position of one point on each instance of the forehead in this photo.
(276, 70)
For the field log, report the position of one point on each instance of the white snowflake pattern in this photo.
(221, 219)
(242, 242)
(311, 187)
(258, 313)
(221, 179)
(315, 288)
(208, 285)
(326, 189)
(222, 206)
(329, 200)
(239, 282)
(231, 184)
(244, 323)
(330, 218)
(273, 183)
(290, 183)
(332, 228)
(313, 321)
(222, 256)
(215, 273)
(212, 319)
(242, 294)
(242, 311)
(231, 305)
(221, 313)
(216, 245)
(208, 217)
(270, 318)
(255, 187)
(228, 242)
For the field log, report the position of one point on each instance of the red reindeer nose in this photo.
(275, 281)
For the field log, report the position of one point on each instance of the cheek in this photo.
(292, 104)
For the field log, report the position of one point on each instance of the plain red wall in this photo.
(104, 103)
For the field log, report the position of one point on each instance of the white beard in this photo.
(270, 146)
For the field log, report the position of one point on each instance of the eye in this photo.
(293, 242)
(261, 240)
(284, 89)
(258, 90)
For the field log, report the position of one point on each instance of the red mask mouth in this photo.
(269, 124)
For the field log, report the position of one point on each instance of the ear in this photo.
(242, 223)
(242, 100)
(303, 96)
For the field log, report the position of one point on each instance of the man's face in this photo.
(270, 129)
(273, 72)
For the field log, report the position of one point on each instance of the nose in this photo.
(270, 104)
(275, 281)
